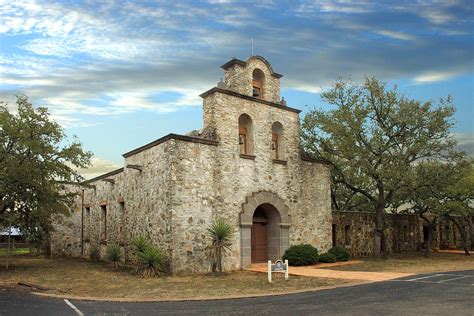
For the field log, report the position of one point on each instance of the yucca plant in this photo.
(140, 243)
(114, 254)
(150, 261)
(221, 234)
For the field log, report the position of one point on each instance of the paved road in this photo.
(450, 293)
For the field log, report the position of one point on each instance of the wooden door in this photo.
(259, 243)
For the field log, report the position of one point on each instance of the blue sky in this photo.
(119, 74)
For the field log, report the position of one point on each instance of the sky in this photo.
(119, 74)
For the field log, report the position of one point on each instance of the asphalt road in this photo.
(449, 293)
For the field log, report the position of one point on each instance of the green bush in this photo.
(340, 253)
(150, 261)
(327, 258)
(140, 243)
(114, 254)
(301, 255)
(94, 255)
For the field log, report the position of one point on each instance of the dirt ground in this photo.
(414, 263)
(84, 278)
(97, 279)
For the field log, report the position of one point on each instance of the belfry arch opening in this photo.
(245, 135)
(258, 80)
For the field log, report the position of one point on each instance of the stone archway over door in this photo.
(278, 225)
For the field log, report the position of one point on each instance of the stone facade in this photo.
(171, 189)
(405, 233)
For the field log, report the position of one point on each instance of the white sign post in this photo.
(279, 266)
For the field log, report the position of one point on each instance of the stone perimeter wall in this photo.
(404, 233)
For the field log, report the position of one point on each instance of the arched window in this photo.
(258, 79)
(277, 141)
(245, 135)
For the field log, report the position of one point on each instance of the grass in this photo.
(15, 251)
(84, 278)
(414, 263)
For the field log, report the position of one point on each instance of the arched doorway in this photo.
(265, 234)
(264, 227)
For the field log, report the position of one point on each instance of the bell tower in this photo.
(254, 77)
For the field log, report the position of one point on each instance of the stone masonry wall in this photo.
(404, 233)
(239, 79)
(303, 185)
(146, 197)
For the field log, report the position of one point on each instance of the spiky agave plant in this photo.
(114, 254)
(150, 261)
(221, 234)
(140, 243)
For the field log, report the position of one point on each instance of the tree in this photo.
(35, 162)
(459, 205)
(371, 137)
(437, 191)
(221, 234)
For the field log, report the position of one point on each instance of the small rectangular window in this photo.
(103, 224)
(122, 216)
(87, 223)
(334, 235)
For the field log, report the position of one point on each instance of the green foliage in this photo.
(340, 253)
(327, 257)
(114, 254)
(36, 159)
(372, 137)
(140, 243)
(221, 234)
(94, 254)
(301, 255)
(150, 261)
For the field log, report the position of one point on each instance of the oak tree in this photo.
(36, 159)
(371, 137)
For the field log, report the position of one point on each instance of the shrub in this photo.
(150, 261)
(114, 254)
(94, 255)
(340, 253)
(140, 243)
(301, 255)
(221, 234)
(327, 258)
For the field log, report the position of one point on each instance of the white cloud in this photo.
(98, 167)
(396, 35)
(433, 76)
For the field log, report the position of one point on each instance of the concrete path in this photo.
(317, 272)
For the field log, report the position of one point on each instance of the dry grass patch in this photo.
(414, 263)
(96, 279)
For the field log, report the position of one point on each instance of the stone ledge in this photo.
(168, 137)
(280, 162)
(244, 156)
(247, 97)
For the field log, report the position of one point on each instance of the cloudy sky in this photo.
(119, 74)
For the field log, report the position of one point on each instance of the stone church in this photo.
(245, 165)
